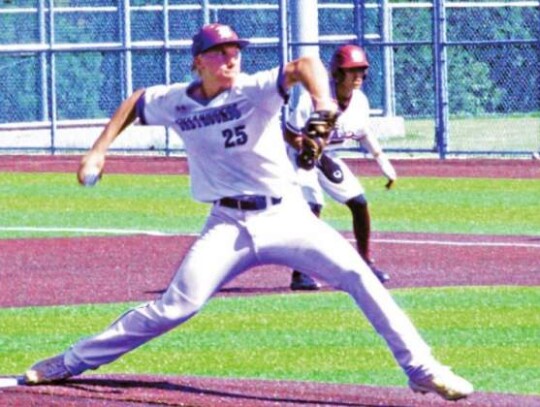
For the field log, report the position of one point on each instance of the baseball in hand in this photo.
(91, 176)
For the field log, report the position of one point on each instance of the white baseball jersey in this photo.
(353, 123)
(217, 135)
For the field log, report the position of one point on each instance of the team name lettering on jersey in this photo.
(210, 117)
(339, 135)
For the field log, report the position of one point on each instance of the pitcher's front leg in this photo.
(220, 253)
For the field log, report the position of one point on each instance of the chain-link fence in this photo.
(446, 77)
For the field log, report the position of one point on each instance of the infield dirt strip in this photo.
(65, 271)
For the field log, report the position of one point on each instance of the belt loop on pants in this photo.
(249, 202)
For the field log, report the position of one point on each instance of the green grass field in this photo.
(39, 202)
(488, 334)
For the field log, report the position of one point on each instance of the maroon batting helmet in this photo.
(348, 56)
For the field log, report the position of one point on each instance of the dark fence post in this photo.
(440, 76)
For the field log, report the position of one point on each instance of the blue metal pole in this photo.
(166, 39)
(43, 61)
(283, 32)
(284, 46)
(52, 94)
(388, 59)
(359, 18)
(441, 79)
(125, 14)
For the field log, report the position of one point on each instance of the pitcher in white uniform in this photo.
(230, 125)
(348, 68)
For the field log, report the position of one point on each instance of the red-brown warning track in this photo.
(137, 268)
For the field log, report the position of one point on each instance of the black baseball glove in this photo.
(316, 132)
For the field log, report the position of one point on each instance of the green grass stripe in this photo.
(319, 337)
(164, 203)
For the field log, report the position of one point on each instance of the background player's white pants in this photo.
(349, 188)
(233, 241)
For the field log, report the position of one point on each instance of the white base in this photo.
(9, 382)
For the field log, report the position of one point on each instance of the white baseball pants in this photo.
(234, 241)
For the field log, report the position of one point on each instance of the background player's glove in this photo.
(310, 152)
(316, 132)
(320, 123)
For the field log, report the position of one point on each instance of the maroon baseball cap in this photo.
(215, 34)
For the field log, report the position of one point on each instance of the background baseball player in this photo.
(349, 66)
(230, 125)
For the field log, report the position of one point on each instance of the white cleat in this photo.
(48, 371)
(445, 383)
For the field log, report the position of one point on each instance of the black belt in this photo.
(249, 203)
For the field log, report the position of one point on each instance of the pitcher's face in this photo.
(221, 63)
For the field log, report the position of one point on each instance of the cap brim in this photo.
(240, 43)
(355, 65)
